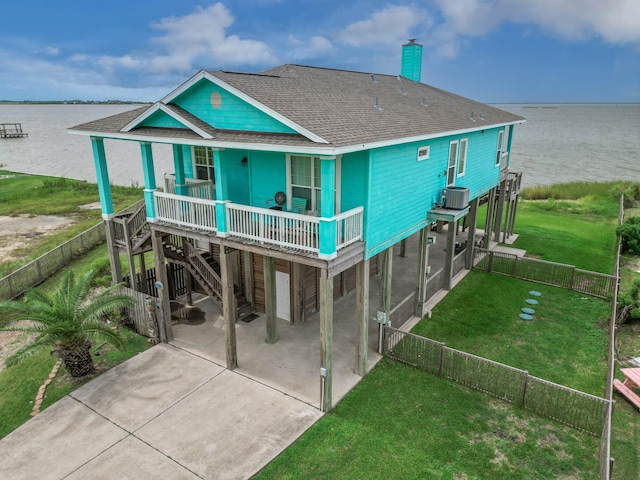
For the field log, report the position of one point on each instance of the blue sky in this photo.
(488, 50)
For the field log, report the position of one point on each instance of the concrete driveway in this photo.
(165, 414)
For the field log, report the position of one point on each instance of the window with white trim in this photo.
(423, 152)
(305, 180)
(462, 156)
(453, 158)
(203, 160)
(500, 147)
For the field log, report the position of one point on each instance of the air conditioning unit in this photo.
(456, 198)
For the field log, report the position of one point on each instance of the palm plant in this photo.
(67, 320)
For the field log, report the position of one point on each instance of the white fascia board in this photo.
(159, 106)
(417, 138)
(315, 150)
(243, 96)
(318, 150)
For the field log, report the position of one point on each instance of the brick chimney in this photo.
(411, 60)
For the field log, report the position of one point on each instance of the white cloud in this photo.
(389, 26)
(53, 51)
(613, 21)
(311, 48)
(184, 43)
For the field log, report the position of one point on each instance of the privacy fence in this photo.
(571, 407)
(38, 270)
(43, 267)
(142, 317)
(549, 273)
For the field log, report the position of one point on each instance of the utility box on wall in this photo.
(456, 198)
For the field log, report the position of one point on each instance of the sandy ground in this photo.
(17, 231)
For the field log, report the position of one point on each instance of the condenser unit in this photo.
(456, 198)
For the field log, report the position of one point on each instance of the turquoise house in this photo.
(289, 179)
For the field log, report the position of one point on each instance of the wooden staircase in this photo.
(132, 230)
(206, 271)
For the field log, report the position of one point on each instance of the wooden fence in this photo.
(142, 317)
(568, 406)
(43, 267)
(549, 273)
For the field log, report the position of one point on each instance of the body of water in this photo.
(558, 143)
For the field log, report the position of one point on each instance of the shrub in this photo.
(629, 233)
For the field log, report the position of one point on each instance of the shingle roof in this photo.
(337, 105)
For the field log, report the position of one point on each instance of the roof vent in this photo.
(377, 105)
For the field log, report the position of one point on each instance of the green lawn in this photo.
(566, 343)
(40, 195)
(400, 423)
(19, 384)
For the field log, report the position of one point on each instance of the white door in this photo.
(283, 296)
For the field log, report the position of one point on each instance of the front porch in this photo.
(322, 237)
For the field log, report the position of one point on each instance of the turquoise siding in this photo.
(402, 190)
(162, 120)
(187, 158)
(353, 181)
(411, 61)
(481, 173)
(232, 114)
(268, 175)
(237, 176)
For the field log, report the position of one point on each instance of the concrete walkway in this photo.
(165, 414)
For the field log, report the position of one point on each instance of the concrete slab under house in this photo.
(291, 188)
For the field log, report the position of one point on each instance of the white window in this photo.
(453, 158)
(462, 156)
(203, 160)
(305, 180)
(500, 147)
(423, 152)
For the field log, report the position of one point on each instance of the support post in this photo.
(143, 274)
(386, 274)
(114, 256)
(423, 263)
(297, 280)
(449, 254)
(229, 309)
(362, 317)
(499, 209)
(247, 266)
(178, 165)
(471, 220)
(326, 340)
(149, 179)
(164, 321)
(270, 298)
(488, 225)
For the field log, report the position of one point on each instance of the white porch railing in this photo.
(263, 225)
(349, 227)
(195, 188)
(193, 213)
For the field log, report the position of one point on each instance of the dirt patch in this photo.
(11, 342)
(18, 231)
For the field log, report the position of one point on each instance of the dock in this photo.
(12, 130)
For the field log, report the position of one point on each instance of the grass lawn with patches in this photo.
(19, 384)
(566, 343)
(401, 423)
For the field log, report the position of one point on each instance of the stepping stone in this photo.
(525, 316)
(535, 294)
(531, 301)
(528, 311)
